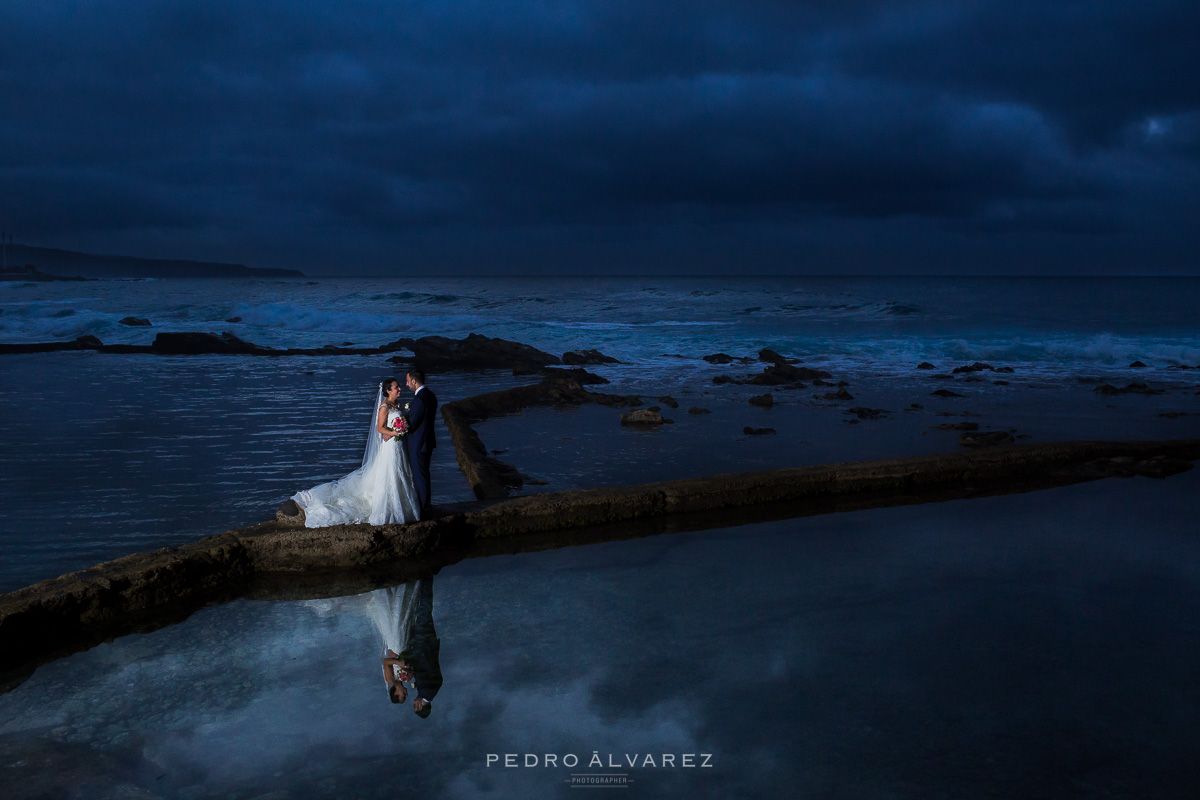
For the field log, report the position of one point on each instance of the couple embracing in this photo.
(392, 485)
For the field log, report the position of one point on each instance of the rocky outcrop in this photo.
(956, 426)
(584, 358)
(979, 366)
(579, 374)
(441, 354)
(432, 353)
(134, 321)
(763, 400)
(644, 418)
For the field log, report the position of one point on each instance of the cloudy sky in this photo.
(608, 136)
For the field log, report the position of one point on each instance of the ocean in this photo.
(1031, 645)
(110, 454)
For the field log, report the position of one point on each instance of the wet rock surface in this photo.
(696, 410)
(763, 400)
(134, 321)
(945, 393)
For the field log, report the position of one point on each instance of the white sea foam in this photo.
(296, 317)
(1100, 349)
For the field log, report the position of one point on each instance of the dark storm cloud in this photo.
(548, 136)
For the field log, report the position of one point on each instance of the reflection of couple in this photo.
(392, 485)
(404, 618)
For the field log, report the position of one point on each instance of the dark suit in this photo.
(422, 416)
(422, 647)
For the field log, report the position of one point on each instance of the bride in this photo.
(381, 490)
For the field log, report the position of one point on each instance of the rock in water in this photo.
(438, 353)
(866, 413)
(957, 426)
(945, 393)
(781, 372)
(719, 358)
(985, 439)
(584, 358)
(757, 431)
(668, 401)
(925, 365)
(840, 394)
(763, 400)
(644, 417)
(771, 357)
(976, 367)
(1137, 365)
(697, 410)
(135, 321)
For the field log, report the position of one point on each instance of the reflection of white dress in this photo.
(380, 492)
(391, 610)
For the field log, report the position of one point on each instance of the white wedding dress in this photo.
(380, 492)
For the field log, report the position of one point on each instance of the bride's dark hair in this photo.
(386, 386)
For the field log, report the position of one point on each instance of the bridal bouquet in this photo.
(400, 427)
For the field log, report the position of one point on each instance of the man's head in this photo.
(415, 379)
(422, 707)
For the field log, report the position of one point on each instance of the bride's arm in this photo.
(381, 424)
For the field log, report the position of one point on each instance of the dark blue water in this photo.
(1034, 646)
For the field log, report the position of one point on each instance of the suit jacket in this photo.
(422, 412)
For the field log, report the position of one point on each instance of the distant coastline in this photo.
(26, 263)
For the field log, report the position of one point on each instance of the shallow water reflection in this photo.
(1038, 645)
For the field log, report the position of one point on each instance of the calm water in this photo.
(1032, 646)
(103, 455)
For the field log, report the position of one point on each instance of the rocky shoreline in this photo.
(147, 590)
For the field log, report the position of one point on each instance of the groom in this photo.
(420, 440)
